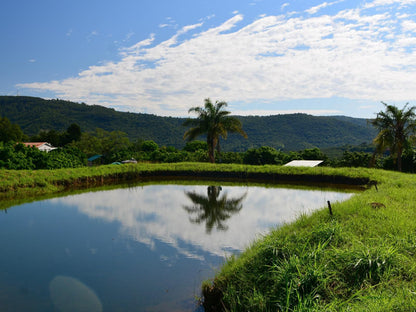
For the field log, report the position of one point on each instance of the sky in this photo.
(262, 57)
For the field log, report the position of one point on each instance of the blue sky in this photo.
(262, 57)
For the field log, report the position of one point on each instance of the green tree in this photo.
(213, 121)
(51, 136)
(73, 133)
(262, 156)
(396, 130)
(10, 132)
(313, 154)
(102, 142)
(355, 159)
(195, 145)
(149, 146)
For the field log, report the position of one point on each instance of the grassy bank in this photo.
(39, 182)
(363, 258)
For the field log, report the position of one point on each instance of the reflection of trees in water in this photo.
(213, 209)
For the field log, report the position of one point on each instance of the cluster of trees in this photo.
(393, 147)
(10, 132)
(18, 156)
(59, 139)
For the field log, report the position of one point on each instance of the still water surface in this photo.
(144, 248)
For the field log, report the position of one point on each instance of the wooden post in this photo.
(330, 208)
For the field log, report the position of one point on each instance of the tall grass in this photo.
(363, 258)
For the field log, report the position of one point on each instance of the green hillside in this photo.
(286, 132)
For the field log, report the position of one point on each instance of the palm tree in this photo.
(396, 130)
(213, 121)
(213, 209)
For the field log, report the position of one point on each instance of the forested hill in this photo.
(286, 132)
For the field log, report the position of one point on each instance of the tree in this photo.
(10, 132)
(149, 146)
(102, 142)
(262, 156)
(195, 146)
(73, 133)
(396, 130)
(213, 121)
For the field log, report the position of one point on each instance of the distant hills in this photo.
(290, 132)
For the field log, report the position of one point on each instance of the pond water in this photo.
(144, 248)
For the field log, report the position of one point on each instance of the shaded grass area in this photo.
(363, 258)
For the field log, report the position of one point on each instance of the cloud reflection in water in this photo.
(156, 213)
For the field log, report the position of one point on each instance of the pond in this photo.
(142, 248)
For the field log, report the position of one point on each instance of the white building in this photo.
(42, 146)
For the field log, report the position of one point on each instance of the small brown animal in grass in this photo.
(377, 205)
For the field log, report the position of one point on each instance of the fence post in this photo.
(329, 207)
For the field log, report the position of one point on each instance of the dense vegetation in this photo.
(285, 132)
(396, 130)
(76, 145)
(18, 157)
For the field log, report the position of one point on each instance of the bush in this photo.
(355, 159)
(262, 156)
(194, 146)
(19, 157)
(229, 158)
(149, 146)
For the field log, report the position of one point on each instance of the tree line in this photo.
(393, 147)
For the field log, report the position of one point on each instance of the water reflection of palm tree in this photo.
(213, 209)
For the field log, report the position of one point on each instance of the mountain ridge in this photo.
(289, 132)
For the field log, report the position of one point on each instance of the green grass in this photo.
(38, 182)
(363, 258)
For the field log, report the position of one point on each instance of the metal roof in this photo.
(92, 158)
(304, 163)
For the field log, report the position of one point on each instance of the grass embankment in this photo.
(363, 258)
(39, 182)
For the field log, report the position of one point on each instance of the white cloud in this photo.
(353, 54)
(315, 9)
(409, 25)
(401, 3)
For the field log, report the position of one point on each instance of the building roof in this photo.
(92, 158)
(42, 146)
(304, 163)
(35, 144)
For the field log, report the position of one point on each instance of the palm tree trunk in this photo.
(211, 149)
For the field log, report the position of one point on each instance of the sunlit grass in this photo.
(355, 260)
